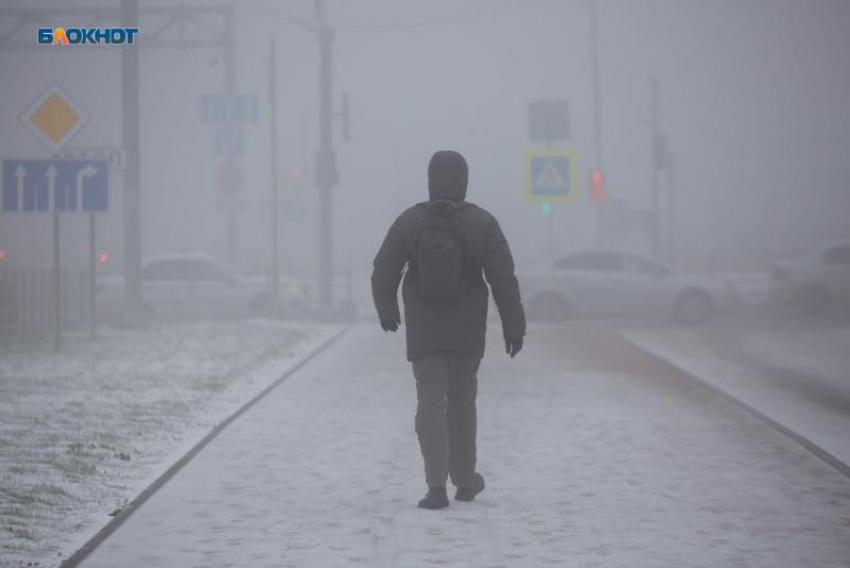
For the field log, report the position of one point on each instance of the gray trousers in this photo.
(446, 388)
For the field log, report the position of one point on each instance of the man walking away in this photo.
(445, 243)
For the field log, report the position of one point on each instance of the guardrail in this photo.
(25, 301)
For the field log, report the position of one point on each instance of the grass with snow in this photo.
(82, 432)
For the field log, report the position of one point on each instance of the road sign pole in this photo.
(57, 288)
(92, 277)
(550, 221)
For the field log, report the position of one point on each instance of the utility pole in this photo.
(597, 121)
(326, 174)
(275, 270)
(132, 202)
(656, 165)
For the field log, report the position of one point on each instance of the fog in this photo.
(698, 258)
(751, 96)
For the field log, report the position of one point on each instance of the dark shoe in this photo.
(469, 493)
(436, 498)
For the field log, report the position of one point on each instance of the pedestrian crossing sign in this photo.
(549, 175)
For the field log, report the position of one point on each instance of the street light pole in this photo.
(131, 136)
(231, 200)
(326, 174)
(275, 270)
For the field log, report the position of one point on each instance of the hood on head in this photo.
(447, 175)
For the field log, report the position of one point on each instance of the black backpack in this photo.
(439, 252)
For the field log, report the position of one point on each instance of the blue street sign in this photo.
(223, 108)
(549, 175)
(229, 113)
(55, 185)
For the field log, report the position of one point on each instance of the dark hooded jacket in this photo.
(449, 327)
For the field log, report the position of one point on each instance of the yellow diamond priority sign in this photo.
(54, 118)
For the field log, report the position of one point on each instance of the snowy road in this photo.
(595, 454)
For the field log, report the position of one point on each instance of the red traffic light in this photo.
(2, 255)
(596, 178)
(598, 192)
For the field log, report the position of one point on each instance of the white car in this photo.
(192, 286)
(815, 281)
(607, 282)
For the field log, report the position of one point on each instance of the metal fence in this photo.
(26, 306)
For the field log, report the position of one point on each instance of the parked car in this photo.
(815, 281)
(190, 286)
(608, 282)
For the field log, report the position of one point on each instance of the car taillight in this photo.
(780, 272)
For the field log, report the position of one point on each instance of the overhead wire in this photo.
(459, 18)
(260, 6)
(447, 20)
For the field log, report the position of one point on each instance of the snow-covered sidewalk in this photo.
(84, 431)
(595, 454)
(821, 356)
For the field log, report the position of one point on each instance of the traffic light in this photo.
(545, 208)
(598, 192)
(297, 177)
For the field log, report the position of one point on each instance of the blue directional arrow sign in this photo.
(550, 175)
(60, 186)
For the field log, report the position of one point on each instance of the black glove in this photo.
(390, 325)
(513, 345)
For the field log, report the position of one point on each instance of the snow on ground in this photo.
(595, 455)
(83, 432)
(823, 353)
(816, 353)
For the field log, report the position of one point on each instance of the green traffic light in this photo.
(545, 208)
